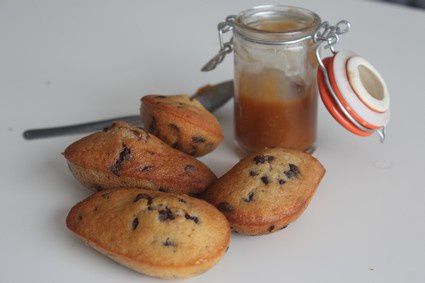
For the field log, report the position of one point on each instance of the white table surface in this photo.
(75, 61)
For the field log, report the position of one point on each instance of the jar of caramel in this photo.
(275, 70)
(275, 78)
(276, 58)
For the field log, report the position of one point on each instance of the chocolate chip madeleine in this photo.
(126, 156)
(182, 123)
(158, 234)
(267, 190)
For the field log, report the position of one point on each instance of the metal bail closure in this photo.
(225, 47)
(352, 90)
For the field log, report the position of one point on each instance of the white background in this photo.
(75, 61)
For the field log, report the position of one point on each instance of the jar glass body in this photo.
(275, 78)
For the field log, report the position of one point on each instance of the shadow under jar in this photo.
(275, 78)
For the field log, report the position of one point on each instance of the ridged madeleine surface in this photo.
(159, 234)
(181, 122)
(126, 156)
(266, 190)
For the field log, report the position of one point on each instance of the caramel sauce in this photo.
(277, 25)
(273, 111)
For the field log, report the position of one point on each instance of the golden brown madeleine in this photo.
(158, 234)
(126, 156)
(182, 123)
(267, 190)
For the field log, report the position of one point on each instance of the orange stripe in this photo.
(343, 101)
(332, 108)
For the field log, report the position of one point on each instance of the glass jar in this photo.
(277, 52)
(275, 77)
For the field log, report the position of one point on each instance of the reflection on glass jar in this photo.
(275, 71)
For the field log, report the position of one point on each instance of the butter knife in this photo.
(212, 98)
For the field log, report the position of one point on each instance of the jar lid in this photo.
(354, 93)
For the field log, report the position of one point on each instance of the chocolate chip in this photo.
(189, 168)
(160, 96)
(281, 181)
(135, 223)
(263, 159)
(146, 168)
(163, 189)
(143, 196)
(176, 145)
(165, 214)
(259, 159)
(152, 125)
(125, 154)
(253, 173)
(174, 128)
(265, 180)
(115, 169)
(190, 217)
(195, 195)
(193, 151)
(283, 227)
(198, 139)
(270, 228)
(249, 197)
(80, 217)
(182, 200)
(227, 249)
(97, 188)
(225, 207)
(168, 243)
(106, 129)
(293, 171)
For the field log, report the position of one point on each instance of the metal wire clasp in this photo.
(225, 47)
(330, 34)
(326, 36)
